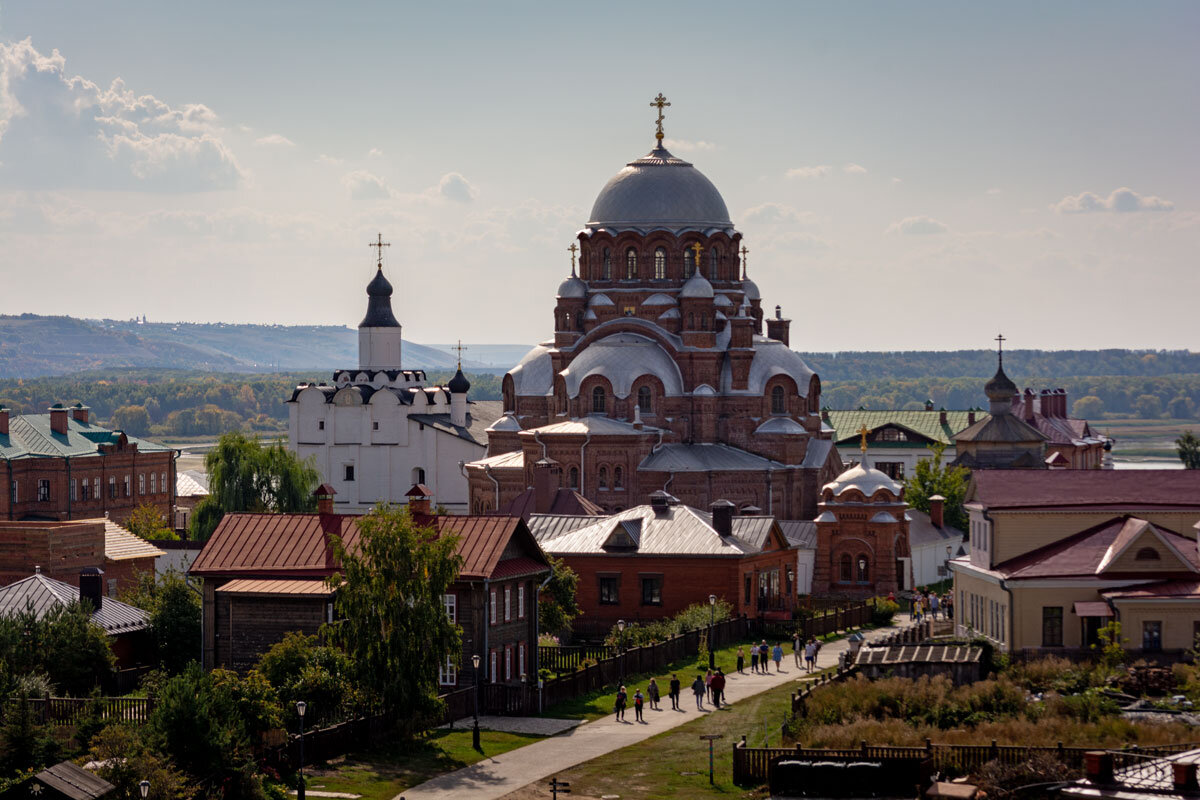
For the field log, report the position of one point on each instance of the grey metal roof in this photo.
(785, 425)
(480, 415)
(622, 358)
(508, 422)
(704, 458)
(596, 425)
(30, 436)
(800, 533)
(659, 191)
(533, 376)
(697, 286)
(43, 593)
(72, 781)
(552, 525)
(922, 532)
(751, 290)
(191, 483)
(572, 287)
(660, 299)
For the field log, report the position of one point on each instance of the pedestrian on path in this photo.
(754, 658)
(933, 605)
(797, 648)
(673, 692)
(810, 654)
(708, 684)
(619, 706)
(652, 694)
(718, 687)
(764, 655)
(698, 690)
(777, 657)
(741, 661)
(638, 700)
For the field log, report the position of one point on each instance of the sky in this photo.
(906, 175)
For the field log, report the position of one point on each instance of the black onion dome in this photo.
(379, 306)
(459, 383)
(1000, 387)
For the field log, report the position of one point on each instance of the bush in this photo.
(883, 611)
(299, 668)
(694, 617)
(1008, 780)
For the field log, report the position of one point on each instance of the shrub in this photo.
(694, 617)
(1010, 780)
(883, 611)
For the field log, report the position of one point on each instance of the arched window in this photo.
(598, 400)
(573, 477)
(714, 259)
(606, 274)
(862, 569)
(847, 568)
(603, 474)
(778, 401)
(704, 322)
(618, 478)
(1147, 554)
(645, 398)
(418, 475)
(630, 264)
(689, 262)
(691, 321)
(660, 264)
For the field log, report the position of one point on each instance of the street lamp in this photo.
(475, 731)
(144, 789)
(620, 643)
(712, 621)
(301, 707)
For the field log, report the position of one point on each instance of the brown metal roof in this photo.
(314, 587)
(566, 501)
(1087, 553)
(1085, 487)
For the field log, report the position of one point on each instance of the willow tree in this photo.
(392, 621)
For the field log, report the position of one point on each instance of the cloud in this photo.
(992, 191)
(60, 131)
(809, 172)
(275, 140)
(775, 214)
(1123, 200)
(330, 160)
(454, 186)
(854, 169)
(918, 226)
(364, 185)
(687, 146)
(374, 152)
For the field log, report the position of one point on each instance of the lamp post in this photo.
(301, 707)
(712, 621)
(144, 789)
(475, 730)
(620, 644)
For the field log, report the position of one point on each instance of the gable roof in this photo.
(1090, 552)
(1001, 428)
(566, 501)
(922, 532)
(926, 424)
(30, 436)
(43, 594)
(121, 545)
(1073, 488)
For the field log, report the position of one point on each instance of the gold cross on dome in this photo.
(460, 347)
(659, 102)
(863, 431)
(573, 248)
(379, 244)
(697, 249)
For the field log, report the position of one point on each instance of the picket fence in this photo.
(71, 710)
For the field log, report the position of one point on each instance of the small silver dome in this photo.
(572, 287)
(697, 286)
(659, 191)
(751, 290)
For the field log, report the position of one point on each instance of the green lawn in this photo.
(382, 773)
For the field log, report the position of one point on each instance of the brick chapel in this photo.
(659, 376)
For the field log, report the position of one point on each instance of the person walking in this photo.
(698, 690)
(754, 658)
(777, 657)
(718, 687)
(810, 654)
(638, 700)
(673, 692)
(797, 648)
(933, 605)
(741, 661)
(708, 684)
(652, 694)
(764, 654)
(619, 706)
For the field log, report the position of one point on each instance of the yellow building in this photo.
(1055, 555)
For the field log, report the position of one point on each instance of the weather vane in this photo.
(659, 102)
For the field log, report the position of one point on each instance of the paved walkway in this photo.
(495, 777)
(542, 726)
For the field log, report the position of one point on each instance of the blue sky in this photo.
(907, 176)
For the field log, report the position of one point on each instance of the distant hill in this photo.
(33, 346)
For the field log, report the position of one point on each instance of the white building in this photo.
(378, 429)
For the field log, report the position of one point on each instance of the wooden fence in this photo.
(568, 658)
(750, 763)
(71, 710)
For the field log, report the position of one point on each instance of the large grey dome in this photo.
(659, 191)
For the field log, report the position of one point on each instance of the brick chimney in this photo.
(1185, 777)
(937, 509)
(942, 417)
(419, 499)
(777, 327)
(1030, 405)
(1099, 767)
(58, 418)
(722, 517)
(91, 587)
(929, 405)
(3, 420)
(324, 494)
(79, 413)
(971, 417)
(546, 475)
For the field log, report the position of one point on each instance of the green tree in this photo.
(63, 644)
(1088, 407)
(1147, 406)
(25, 744)
(298, 667)
(557, 604)
(125, 761)
(175, 609)
(392, 621)
(244, 475)
(931, 477)
(148, 522)
(1188, 448)
(1181, 407)
(134, 420)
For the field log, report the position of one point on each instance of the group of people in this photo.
(930, 604)
(761, 656)
(710, 685)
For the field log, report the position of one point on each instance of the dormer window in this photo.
(1147, 554)
(660, 264)
(630, 264)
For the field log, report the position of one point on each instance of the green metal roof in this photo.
(30, 436)
(926, 424)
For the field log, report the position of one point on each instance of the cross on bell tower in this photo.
(744, 253)
(573, 248)
(660, 103)
(862, 432)
(1000, 340)
(459, 348)
(379, 244)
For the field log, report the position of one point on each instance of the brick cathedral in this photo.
(659, 375)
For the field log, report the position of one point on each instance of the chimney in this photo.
(942, 417)
(419, 499)
(324, 494)
(545, 485)
(91, 587)
(3, 420)
(929, 405)
(58, 418)
(1099, 767)
(777, 327)
(1185, 777)
(1061, 407)
(659, 501)
(1029, 405)
(722, 517)
(971, 417)
(79, 413)
(937, 507)
(637, 417)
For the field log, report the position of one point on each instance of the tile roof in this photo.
(45, 593)
(926, 424)
(1088, 553)
(704, 458)
(120, 544)
(1070, 488)
(269, 586)
(566, 501)
(30, 436)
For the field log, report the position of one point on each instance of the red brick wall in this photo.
(61, 550)
(116, 464)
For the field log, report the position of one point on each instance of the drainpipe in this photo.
(537, 437)
(1003, 585)
(583, 447)
(68, 460)
(485, 655)
(487, 469)
(657, 444)
(670, 477)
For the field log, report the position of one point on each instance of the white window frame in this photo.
(73, 489)
(520, 601)
(447, 673)
(43, 483)
(153, 483)
(492, 609)
(141, 483)
(492, 666)
(521, 658)
(507, 603)
(450, 603)
(508, 665)
(96, 489)
(128, 486)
